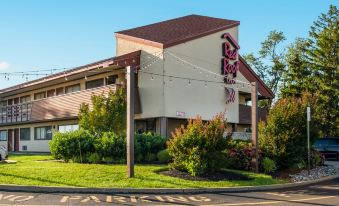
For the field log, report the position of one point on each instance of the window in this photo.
(3, 135)
(94, 83)
(3, 103)
(39, 95)
(72, 88)
(43, 133)
(50, 93)
(25, 99)
(25, 134)
(68, 128)
(147, 125)
(59, 91)
(111, 79)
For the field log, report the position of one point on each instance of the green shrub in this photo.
(199, 147)
(268, 165)
(94, 158)
(147, 147)
(163, 156)
(82, 147)
(111, 147)
(239, 155)
(283, 137)
(317, 159)
(68, 145)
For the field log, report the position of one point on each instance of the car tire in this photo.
(337, 157)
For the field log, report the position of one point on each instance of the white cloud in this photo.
(4, 65)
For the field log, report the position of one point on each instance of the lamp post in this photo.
(255, 119)
(308, 140)
(130, 121)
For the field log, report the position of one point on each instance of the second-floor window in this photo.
(111, 79)
(39, 95)
(51, 93)
(59, 91)
(72, 88)
(25, 99)
(43, 133)
(94, 83)
(25, 134)
(3, 135)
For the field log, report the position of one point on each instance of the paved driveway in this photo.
(320, 194)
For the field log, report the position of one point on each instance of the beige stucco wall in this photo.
(162, 96)
(36, 145)
(151, 91)
(198, 99)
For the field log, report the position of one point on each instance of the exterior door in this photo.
(16, 140)
(10, 140)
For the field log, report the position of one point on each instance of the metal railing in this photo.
(15, 113)
(242, 135)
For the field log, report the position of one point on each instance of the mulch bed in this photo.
(218, 176)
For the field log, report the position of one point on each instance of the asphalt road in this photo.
(326, 193)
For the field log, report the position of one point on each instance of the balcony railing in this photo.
(242, 135)
(245, 114)
(53, 108)
(15, 113)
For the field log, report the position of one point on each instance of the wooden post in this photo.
(130, 122)
(255, 119)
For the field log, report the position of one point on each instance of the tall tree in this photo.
(312, 65)
(298, 77)
(269, 63)
(324, 60)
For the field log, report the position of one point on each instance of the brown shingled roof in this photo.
(175, 31)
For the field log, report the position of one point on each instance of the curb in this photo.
(83, 190)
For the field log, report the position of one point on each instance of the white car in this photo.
(3, 153)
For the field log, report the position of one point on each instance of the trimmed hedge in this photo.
(82, 147)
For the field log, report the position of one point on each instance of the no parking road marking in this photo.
(134, 199)
(16, 198)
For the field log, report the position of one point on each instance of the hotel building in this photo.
(180, 66)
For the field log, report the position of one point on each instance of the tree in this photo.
(108, 114)
(298, 77)
(270, 72)
(312, 65)
(283, 137)
(323, 57)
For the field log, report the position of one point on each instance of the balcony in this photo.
(245, 114)
(60, 107)
(242, 135)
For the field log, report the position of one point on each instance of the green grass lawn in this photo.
(29, 171)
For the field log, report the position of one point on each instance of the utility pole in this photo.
(308, 140)
(255, 119)
(130, 121)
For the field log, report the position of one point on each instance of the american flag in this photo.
(230, 93)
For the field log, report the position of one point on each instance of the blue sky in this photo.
(40, 34)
